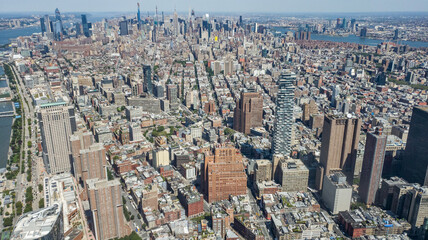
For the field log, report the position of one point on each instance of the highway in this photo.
(28, 111)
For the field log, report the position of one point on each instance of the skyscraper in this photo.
(86, 26)
(59, 29)
(338, 146)
(284, 118)
(223, 174)
(42, 25)
(416, 153)
(107, 209)
(248, 112)
(79, 140)
(123, 28)
(47, 24)
(371, 172)
(138, 16)
(175, 22)
(171, 93)
(57, 123)
(148, 85)
(93, 162)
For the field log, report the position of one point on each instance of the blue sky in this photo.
(239, 6)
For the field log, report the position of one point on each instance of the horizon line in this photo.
(234, 12)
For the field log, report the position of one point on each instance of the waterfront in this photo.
(8, 34)
(353, 39)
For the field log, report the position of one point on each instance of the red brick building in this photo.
(223, 174)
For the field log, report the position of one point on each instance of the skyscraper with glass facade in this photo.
(284, 114)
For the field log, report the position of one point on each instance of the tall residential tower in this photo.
(284, 118)
(371, 172)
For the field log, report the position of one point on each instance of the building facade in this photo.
(248, 112)
(339, 146)
(57, 124)
(416, 153)
(284, 118)
(371, 172)
(223, 174)
(336, 193)
(105, 200)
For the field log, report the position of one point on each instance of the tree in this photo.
(40, 187)
(132, 236)
(18, 206)
(29, 194)
(7, 222)
(41, 203)
(109, 175)
(28, 207)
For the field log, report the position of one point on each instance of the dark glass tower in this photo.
(148, 85)
(415, 161)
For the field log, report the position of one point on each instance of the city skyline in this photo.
(238, 6)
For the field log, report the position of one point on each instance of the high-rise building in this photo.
(417, 203)
(59, 29)
(284, 118)
(105, 200)
(248, 112)
(371, 171)
(45, 223)
(79, 140)
(138, 16)
(363, 32)
(57, 124)
(93, 162)
(171, 93)
(263, 171)
(86, 26)
(47, 24)
(293, 175)
(42, 25)
(161, 157)
(416, 153)
(223, 174)
(309, 109)
(123, 28)
(148, 85)
(339, 145)
(336, 193)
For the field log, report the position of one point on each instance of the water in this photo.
(6, 35)
(353, 39)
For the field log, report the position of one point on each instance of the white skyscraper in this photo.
(57, 124)
(284, 115)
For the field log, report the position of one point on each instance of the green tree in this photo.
(29, 194)
(40, 187)
(7, 222)
(28, 207)
(41, 203)
(109, 175)
(18, 206)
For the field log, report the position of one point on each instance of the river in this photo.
(7, 34)
(353, 39)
